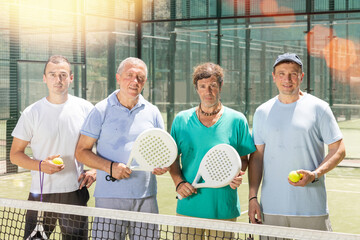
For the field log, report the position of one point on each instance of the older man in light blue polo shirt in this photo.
(114, 124)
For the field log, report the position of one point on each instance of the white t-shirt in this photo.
(294, 136)
(54, 129)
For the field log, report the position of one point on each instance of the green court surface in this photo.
(342, 188)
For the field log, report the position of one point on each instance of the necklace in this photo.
(209, 114)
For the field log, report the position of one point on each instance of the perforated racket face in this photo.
(155, 148)
(219, 166)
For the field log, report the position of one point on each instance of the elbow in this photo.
(13, 157)
(343, 150)
(343, 154)
(244, 165)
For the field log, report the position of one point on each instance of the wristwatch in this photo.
(316, 177)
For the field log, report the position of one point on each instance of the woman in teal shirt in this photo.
(196, 131)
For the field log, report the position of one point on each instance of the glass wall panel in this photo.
(173, 50)
(243, 36)
(108, 42)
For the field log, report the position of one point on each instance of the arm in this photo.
(336, 153)
(244, 162)
(85, 155)
(255, 176)
(18, 157)
(185, 189)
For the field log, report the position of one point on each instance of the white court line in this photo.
(244, 212)
(333, 190)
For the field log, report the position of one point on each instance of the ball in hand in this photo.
(58, 161)
(294, 176)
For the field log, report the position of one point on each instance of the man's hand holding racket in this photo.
(154, 150)
(120, 171)
(219, 167)
(185, 189)
(160, 171)
(236, 182)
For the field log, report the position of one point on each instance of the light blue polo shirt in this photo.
(294, 136)
(116, 128)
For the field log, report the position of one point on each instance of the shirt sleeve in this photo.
(24, 128)
(246, 141)
(93, 124)
(173, 132)
(329, 128)
(256, 130)
(159, 121)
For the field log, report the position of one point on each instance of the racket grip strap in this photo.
(178, 185)
(110, 177)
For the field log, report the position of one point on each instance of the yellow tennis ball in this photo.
(58, 161)
(294, 176)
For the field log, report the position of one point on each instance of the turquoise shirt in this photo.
(194, 140)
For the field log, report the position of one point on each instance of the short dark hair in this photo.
(56, 59)
(207, 70)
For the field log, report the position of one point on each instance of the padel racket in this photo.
(153, 148)
(38, 232)
(218, 167)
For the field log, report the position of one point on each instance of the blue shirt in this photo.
(294, 136)
(116, 128)
(194, 140)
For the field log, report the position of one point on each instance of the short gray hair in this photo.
(131, 61)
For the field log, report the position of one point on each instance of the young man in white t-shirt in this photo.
(52, 127)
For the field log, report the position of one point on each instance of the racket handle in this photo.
(140, 168)
(179, 197)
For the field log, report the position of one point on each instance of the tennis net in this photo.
(102, 223)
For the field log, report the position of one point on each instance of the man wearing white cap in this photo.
(290, 131)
